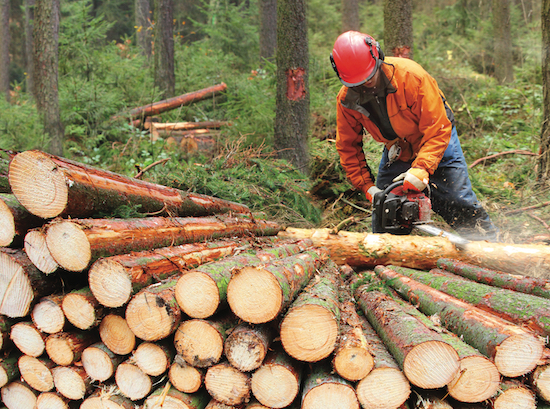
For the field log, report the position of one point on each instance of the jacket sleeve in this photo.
(349, 144)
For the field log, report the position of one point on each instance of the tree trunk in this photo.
(29, 45)
(153, 359)
(52, 400)
(15, 220)
(106, 399)
(65, 348)
(28, 339)
(322, 389)
(100, 362)
(38, 253)
(5, 48)
(292, 102)
(132, 381)
(541, 381)
(19, 395)
(144, 27)
(523, 284)
(268, 30)
(277, 382)
(165, 78)
(9, 370)
(543, 173)
(184, 377)
(309, 328)
(116, 334)
(227, 384)
(514, 351)
(504, 62)
(350, 16)
(398, 28)
(46, 35)
(246, 346)
(184, 126)
(166, 398)
(48, 315)
(49, 186)
(82, 309)
(37, 372)
(258, 294)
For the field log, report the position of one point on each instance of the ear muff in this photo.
(334, 65)
(376, 44)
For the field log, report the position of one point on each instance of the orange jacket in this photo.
(416, 110)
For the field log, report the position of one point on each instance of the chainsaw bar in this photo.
(458, 241)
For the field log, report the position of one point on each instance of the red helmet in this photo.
(355, 58)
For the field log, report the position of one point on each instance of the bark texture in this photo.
(543, 174)
(398, 28)
(268, 29)
(165, 78)
(504, 63)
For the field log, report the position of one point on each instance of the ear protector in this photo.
(369, 42)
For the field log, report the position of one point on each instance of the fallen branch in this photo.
(523, 209)
(539, 220)
(158, 162)
(496, 155)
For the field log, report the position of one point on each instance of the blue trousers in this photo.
(450, 190)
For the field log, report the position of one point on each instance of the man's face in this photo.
(372, 82)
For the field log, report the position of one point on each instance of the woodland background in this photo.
(105, 68)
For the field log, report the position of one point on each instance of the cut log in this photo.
(200, 342)
(199, 140)
(116, 334)
(514, 395)
(4, 181)
(515, 351)
(227, 384)
(385, 386)
(309, 329)
(254, 404)
(49, 186)
(71, 381)
(203, 291)
(258, 294)
(74, 244)
(28, 339)
(21, 283)
(214, 404)
(185, 126)
(520, 283)
(37, 372)
(18, 395)
(246, 346)
(277, 382)
(184, 377)
(38, 252)
(541, 381)
(65, 348)
(48, 315)
(114, 280)
(323, 390)
(82, 309)
(107, 398)
(153, 359)
(9, 368)
(169, 397)
(15, 220)
(426, 359)
(51, 400)
(5, 330)
(367, 250)
(132, 381)
(100, 362)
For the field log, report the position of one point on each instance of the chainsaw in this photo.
(397, 212)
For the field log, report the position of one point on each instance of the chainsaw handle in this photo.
(392, 186)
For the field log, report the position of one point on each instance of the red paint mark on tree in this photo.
(404, 52)
(295, 86)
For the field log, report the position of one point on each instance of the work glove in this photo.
(415, 179)
(373, 190)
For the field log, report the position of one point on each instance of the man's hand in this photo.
(415, 179)
(373, 190)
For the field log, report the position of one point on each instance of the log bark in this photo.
(15, 220)
(203, 291)
(4, 181)
(168, 397)
(113, 280)
(324, 390)
(520, 283)
(277, 382)
(100, 362)
(107, 398)
(523, 309)
(515, 351)
(246, 346)
(38, 252)
(514, 395)
(194, 141)
(227, 384)
(132, 381)
(48, 315)
(367, 250)
(75, 244)
(49, 186)
(71, 381)
(116, 334)
(200, 342)
(5, 329)
(541, 381)
(21, 283)
(82, 309)
(51, 400)
(18, 395)
(65, 348)
(426, 359)
(9, 369)
(28, 339)
(37, 372)
(153, 358)
(184, 126)
(184, 377)
(309, 328)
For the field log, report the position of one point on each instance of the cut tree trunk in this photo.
(74, 244)
(48, 315)
(116, 334)
(100, 362)
(38, 252)
(520, 283)
(214, 404)
(514, 350)
(71, 381)
(9, 369)
(200, 342)
(184, 126)
(194, 141)
(49, 186)
(82, 309)
(322, 389)
(184, 377)
(367, 250)
(113, 280)
(227, 384)
(37, 372)
(258, 294)
(541, 381)
(514, 395)
(309, 328)
(254, 404)
(15, 220)
(52, 400)
(203, 291)
(21, 283)
(427, 360)
(18, 395)
(277, 382)
(28, 339)
(107, 398)
(65, 348)
(246, 346)
(169, 397)
(132, 381)
(153, 358)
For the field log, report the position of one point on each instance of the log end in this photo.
(15, 288)
(7, 225)
(50, 400)
(274, 386)
(69, 245)
(4, 377)
(132, 381)
(79, 311)
(245, 351)
(150, 318)
(18, 395)
(184, 377)
(513, 398)
(59, 350)
(38, 252)
(110, 283)
(116, 334)
(36, 373)
(331, 395)
(151, 359)
(519, 354)
(48, 316)
(197, 294)
(69, 382)
(38, 184)
(383, 387)
(97, 364)
(541, 381)
(28, 339)
(198, 343)
(353, 363)
(227, 384)
(477, 380)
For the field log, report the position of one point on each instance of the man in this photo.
(400, 105)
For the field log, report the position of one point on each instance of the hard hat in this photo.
(355, 58)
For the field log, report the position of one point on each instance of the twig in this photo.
(342, 224)
(539, 220)
(517, 152)
(354, 205)
(141, 172)
(523, 209)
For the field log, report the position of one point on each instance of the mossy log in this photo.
(227, 385)
(100, 362)
(247, 345)
(9, 369)
(15, 220)
(495, 278)
(5, 329)
(4, 181)
(82, 309)
(49, 186)
(514, 350)
(76, 243)
(167, 396)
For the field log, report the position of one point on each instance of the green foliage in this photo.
(20, 126)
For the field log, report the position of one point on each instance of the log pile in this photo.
(211, 308)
